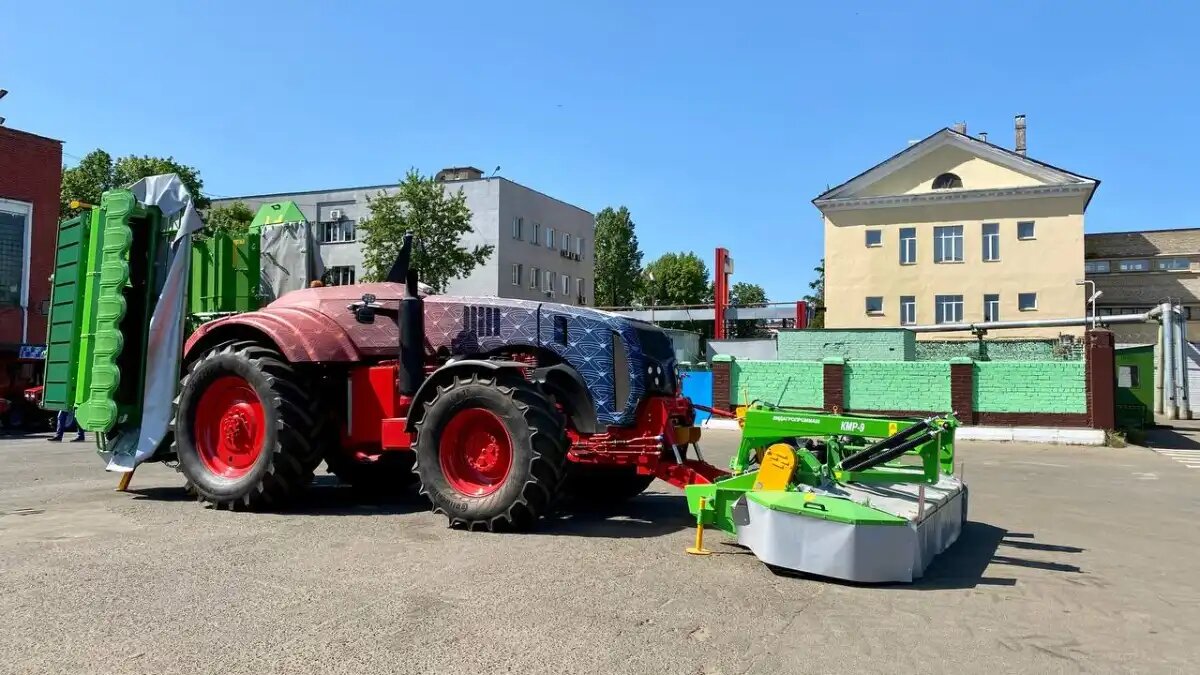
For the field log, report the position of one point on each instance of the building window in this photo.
(549, 282)
(948, 244)
(948, 308)
(875, 305)
(1096, 267)
(14, 265)
(579, 247)
(518, 226)
(1027, 302)
(337, 232)
(1025, 229)
(991, 242)
(874, 238)
(1127, 377)
(908, 246)
(947, 181)
(908, 310)
(991, 307)
(535, 276)
(579, 296)
(341, 275)
(518, 271)
(566, 286)
(536, 238)
(1133, 265)
(566, 242)
(1172, 264)
(549, 237)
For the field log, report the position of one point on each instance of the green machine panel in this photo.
(70, 276)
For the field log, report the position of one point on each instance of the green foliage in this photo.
(744, 294)
(817, 298)
(678, 279)
(231, 219)
(437, 221)
(97, 172)
(618, 258)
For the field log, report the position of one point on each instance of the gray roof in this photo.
(1147, 243)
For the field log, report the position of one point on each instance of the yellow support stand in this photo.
(123, 484)
(699, 549)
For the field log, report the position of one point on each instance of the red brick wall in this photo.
(31, 171)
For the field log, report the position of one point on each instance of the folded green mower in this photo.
(854, 497)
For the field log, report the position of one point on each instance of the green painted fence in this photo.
(891, 385)
(1034, 386)
(798, 384)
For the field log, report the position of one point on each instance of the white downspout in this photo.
(1169, 351)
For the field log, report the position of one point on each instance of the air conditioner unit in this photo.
(336, 214)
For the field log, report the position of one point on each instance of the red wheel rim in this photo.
(475, 452)
(229, 427)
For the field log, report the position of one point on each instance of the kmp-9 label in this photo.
(851, 426)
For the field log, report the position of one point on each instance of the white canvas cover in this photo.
(285, 263)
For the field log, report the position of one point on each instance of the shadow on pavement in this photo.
(1167, 438)
(326, 497)
(647, 515)
(966, 563)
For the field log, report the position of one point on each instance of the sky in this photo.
(716, 123)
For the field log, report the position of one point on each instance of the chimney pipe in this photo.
(983, 136)
(960, 127)
(1019, 124)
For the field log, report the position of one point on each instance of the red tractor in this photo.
(495, 407)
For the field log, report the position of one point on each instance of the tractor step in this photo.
(863, 533)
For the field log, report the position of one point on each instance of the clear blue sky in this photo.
(716, 125)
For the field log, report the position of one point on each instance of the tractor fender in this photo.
(302, 334)
(446, 374)
(568, 387)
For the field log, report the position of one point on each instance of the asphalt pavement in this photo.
(1075, 560)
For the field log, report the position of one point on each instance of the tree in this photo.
(232, 218)
(744, 294)
(618, 258)
(816, 299)
(676, 279)
(437, 220)
(97, 173)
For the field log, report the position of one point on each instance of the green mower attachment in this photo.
(856, 497)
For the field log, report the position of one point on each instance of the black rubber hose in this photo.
(887, 455)
(890, 441)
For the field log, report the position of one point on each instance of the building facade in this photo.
(954, 229)
(30, 180)
(542, 246)
(1135, 271)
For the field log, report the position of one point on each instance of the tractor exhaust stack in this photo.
(411, 323)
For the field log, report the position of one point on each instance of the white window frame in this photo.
(26, 209)
(1098, 267)
(536, 239)
(550, 237)
(991, 300)
(954, 303)
(1032, 230)
(867, 305)
(565, 242)
(337, 275)
(991, 242)
(339, 232)
(550, 282)
(948, 236)
(518, 273)
(579, 291)
(878, 238)
(518, 228)
(1134, 265)
(906, 243)
(579, 247)
(908, 310)
(566, 285)
(535, 278)
(1166, 264)
(1021, 304)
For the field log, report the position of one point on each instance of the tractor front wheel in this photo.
(490, 453)
(243, 424)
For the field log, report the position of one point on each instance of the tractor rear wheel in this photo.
(490, 452)
(245, 428)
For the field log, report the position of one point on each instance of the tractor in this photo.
(494, 407)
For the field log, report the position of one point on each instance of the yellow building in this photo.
(954, 229)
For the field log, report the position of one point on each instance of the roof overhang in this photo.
(956, 197)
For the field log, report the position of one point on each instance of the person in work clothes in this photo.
(65, 419)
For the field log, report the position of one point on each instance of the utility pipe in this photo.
(1169, 349)
(1038, 323)
(1183, 400)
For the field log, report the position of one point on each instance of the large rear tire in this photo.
(490, 452)
(246, 429)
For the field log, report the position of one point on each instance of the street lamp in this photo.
(1092, 299)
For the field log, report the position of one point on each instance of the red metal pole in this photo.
(802, 314)
(721, 294)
